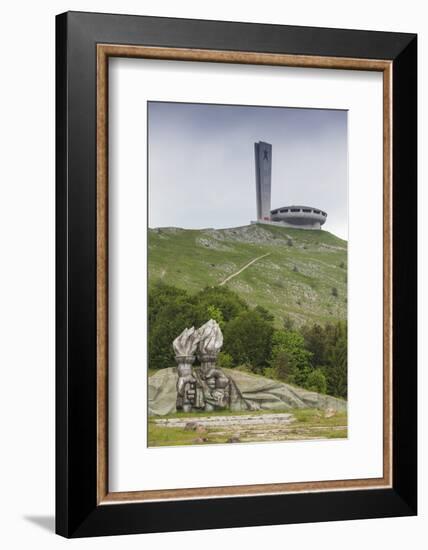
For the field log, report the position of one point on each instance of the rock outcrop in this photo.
(255, 393)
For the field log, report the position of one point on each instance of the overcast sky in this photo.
(201, 163)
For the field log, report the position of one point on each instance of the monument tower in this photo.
(263, 154)
(298, 216)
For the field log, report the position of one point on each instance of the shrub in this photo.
(288, 323)
(264, 313)
(225, 360)
(316, 381)
(216, 314)
(269, 372)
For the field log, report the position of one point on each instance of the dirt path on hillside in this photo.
(243, 268)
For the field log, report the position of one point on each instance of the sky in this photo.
(202, 170)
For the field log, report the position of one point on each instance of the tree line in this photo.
(313, 356)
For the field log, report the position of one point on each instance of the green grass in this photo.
(160, 436)
(194, 259)
(317, 418)
(308, 424)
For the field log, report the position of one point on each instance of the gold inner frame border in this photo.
(104, 52)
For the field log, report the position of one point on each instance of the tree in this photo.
(216, 314)
(222, 298)
(248, 339)
(316, 342)
(170, 322)
(290, 346)
(316, 381)
(160, 295)
(280, 368)
(337, 369)
(170, 311)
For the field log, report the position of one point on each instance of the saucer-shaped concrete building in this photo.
(300, 217)
(303, 217)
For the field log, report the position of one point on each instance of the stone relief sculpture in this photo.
(205, 387)
(185, 346)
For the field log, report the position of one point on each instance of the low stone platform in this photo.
(229, 421)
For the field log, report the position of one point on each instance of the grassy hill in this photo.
(302, 273)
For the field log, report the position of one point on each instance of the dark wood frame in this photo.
(85, 41)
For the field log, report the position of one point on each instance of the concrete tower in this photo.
(263, 154)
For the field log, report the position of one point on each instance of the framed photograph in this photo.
(236, 274)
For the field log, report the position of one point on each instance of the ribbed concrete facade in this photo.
(263, 157)
(304, 217)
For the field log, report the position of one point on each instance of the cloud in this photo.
(201, 163)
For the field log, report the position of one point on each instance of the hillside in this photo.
(288, 271)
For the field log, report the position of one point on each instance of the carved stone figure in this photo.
(217, 390)
(206, 387)
(185, 346)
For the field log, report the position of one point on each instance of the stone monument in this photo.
(185, 347)
(263, 157)
(205, 387)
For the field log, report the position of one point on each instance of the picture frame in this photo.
(84, 44)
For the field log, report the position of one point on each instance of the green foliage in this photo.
(280, 366)
(337, 369)
(329, 349)
(270, 372)
(223, 299)
(194, 260)
(247, 368)
(313, 357)
(316, 381)
(216, 314)
(264, 313)
(334, 292)
(293, 344)
(225, 360)
(160, 296)
(290, 359)
(288, 323)
(316, 342)
(248, 339)
(170, 312)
